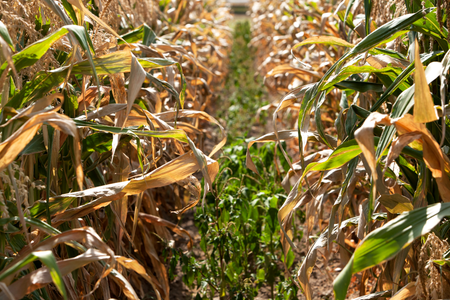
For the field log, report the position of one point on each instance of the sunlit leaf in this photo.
(395, 203)
(424, 111)
(385, 242)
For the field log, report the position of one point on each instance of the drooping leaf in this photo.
(48, 259)
(12, 146)
(433, 156)
(35, 51)
(404, 103)
(424, 111)
(168, 173)
(142, 33)
(345, 72)
(272, 137)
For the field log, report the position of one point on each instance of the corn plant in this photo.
(371, 138)
(102, 108)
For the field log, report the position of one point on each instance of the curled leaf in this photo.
(433, 156)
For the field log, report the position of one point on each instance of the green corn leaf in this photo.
(343, 154)
(377, 37)
(425, 58)
(372, 40)
(42, 83)
(35, 146)
(50, 131)
(387, 30)
(359, 86)
(35, 51)
(97, 142)
(388, 52)
(117, 62)
(142, 33)
(177, 134)
(385, 242)
(85, 42)
(32, 222)
(5, 35)
(48, 259)
(344, 73)
(348, 13)
(39, 208)
(31, 54)
(429, 25)
(367, 10)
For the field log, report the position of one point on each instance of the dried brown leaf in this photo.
(406, 292)
(437, 162)
(424, 111)
(161, 222)
(168, 173)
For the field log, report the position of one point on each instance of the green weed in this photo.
(244, 93)
(240, 240)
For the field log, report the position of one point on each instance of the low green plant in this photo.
(245, 93)
(240, 240)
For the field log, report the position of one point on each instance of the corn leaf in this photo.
(117, 62)
(48, 259)
(325, 40)
(424, 111)
(396, 203)
(385, 242)
(5, 35)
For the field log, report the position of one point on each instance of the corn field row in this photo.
(114, 122)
